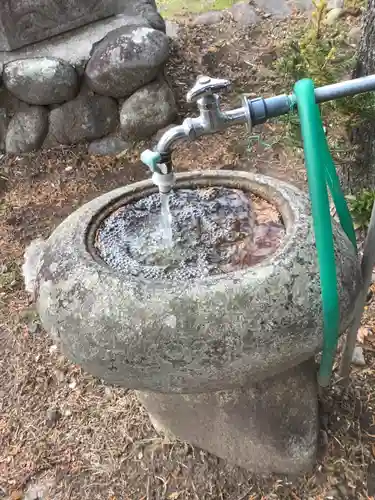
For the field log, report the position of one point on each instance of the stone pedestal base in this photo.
(271, 427)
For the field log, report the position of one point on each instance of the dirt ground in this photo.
(66, 435)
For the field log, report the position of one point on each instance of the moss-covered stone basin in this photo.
(214, 333)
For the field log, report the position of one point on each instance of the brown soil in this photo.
(65, 435)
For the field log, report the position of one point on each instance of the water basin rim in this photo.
(265, 187)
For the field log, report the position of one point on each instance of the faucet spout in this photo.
(211, 120)
(169, 139)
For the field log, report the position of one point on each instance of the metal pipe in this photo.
(263, 109)
(207, 123)
(345, 89)
(171, 136)
(236, 116)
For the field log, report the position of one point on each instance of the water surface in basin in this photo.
(214, 230)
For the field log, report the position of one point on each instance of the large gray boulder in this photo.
(277, 8)
(126, 59)
(149, 109)
(27, 130)
(41, 80)
(244, 14)
(283, 8)
(208, 18)
(84, 119)
(108, 146)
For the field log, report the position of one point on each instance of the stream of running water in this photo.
(166, 219)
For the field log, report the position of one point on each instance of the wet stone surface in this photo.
(214, 231)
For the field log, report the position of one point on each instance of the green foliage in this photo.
(357, 108)
(172, 8)
(355, 4)
(360, 207)
(291, 129)
(320, 52)
(312, 51)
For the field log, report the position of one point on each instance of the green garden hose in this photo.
(320, 173)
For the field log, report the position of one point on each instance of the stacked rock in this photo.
(118, 94)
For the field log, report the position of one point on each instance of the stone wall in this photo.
(23, 22)
(102, 83)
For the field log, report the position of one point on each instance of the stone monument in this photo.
(81, 71)
(23, 23)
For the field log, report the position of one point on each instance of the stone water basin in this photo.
(224, 358)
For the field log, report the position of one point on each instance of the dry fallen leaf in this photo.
(362, 333)
(16, 495)
(174, 495)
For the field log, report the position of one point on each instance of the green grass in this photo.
(173, 8)
(361, 207)
(355, 4)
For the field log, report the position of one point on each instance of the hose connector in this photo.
(152, 159)
(164, 182)
(161, 177)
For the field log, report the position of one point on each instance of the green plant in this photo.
(311, 52)
(320, 52)
(356, 108)
(360, 207)
(254, 140)
(291, 135)
(355, 4)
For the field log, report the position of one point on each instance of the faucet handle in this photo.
(207, 86)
